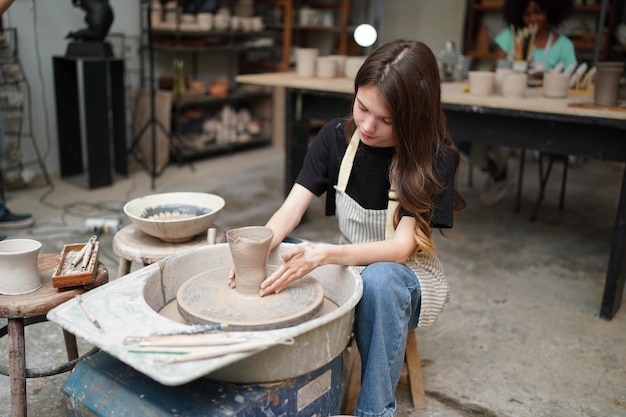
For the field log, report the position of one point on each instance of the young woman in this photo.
(389, 175)
(549, 47)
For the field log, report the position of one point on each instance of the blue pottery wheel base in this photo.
(100, 385)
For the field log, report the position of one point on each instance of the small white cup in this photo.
(305, 61)
(326, 67)
(514, 85)
(500, 73)
(481, 82)
(555, 85)
(205, 21)
(352, 65)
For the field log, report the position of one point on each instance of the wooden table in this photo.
(570, 126)
(30, 308)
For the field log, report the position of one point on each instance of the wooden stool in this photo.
(25, 309)
(131, 244)
(411, 369)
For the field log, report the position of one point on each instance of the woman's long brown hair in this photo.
(406, 75)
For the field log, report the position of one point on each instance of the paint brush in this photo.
(89, 313)
(531, 42)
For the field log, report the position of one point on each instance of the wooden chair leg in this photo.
(412, 369)
(414, 372)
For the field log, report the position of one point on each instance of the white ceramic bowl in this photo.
(174, 217)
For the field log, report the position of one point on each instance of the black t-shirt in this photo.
(368, 184)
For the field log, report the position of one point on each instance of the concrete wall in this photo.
(43, 24)
(431, 21)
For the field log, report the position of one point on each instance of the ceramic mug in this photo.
(326, 67)
(481, 83)
(305, 61)
(514, 85)
(19, 270)
(606, 84)
(555, 85)
(500, 73)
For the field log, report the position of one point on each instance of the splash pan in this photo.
(129, 306)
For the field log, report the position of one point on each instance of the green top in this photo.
(562, 50)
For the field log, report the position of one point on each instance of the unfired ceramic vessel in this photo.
(555, 85)
(305, 61)
(250, 247)
(481, 83)
(607, 83)
(514, 84)
(19, 273)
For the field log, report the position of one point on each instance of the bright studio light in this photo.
(365, 35)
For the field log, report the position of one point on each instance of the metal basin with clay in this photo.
(131, 306)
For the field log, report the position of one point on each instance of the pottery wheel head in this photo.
(206, 298)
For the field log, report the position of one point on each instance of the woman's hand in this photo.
(297, 262)
(231, 277)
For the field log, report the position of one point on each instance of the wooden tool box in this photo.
(66, 276)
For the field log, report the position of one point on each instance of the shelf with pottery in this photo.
(313, 18)
(204, 124)
(202, 93)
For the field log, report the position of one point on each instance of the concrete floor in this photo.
(521, 335)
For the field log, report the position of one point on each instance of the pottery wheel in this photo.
(207, 298)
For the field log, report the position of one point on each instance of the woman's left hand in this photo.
(297, 262)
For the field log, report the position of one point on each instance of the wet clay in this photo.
(207, 298)
(249, 248)
(170, 310)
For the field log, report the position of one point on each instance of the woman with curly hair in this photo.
(549, 47)
(389, 173)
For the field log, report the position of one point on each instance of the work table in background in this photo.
(452, 93)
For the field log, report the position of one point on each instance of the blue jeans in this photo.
(388, 309)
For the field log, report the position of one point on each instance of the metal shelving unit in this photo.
(192, 47)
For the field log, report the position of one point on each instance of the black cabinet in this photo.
(91, 119)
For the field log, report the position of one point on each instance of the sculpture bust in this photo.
(99, 18)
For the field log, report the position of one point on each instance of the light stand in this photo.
(153, 123)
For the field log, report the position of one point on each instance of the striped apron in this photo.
(358, 225)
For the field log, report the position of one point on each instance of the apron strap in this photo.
(344, 174)
(347, 161)
(392, 206)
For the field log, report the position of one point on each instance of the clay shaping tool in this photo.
(88, 250)
(185, 340)
(89, 313)
(215, 351)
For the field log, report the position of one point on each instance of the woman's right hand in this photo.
(297, 262)
(231, 277)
